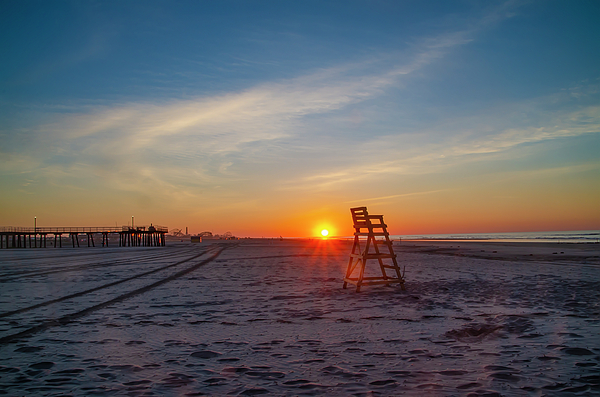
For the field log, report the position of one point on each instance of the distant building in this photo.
(196, 239)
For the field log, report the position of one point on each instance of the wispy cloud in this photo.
(187, 145)
(366, 200)
(395, 157)
(222, 124)
(267, 111)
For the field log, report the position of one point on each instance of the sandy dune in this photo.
(270, 317)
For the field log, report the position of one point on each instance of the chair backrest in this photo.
(360, 216)
(362, 219)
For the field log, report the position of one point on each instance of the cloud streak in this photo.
(213, 126)
(395, 159)
(265, 112)
(189, 145)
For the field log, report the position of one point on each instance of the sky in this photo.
(274, 118)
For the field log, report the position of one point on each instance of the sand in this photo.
(270, 317)
(556, 253)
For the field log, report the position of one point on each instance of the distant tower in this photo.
(186, 231)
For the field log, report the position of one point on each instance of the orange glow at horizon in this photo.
(512, 205)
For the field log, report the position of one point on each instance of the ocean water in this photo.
(580, 236)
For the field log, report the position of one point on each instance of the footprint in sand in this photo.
(205, 354)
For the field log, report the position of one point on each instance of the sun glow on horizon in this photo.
(324, 232)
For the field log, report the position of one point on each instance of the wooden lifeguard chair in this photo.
(371, 227)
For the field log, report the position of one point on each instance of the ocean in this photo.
(580, 236)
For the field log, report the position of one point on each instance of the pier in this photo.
(41, 237)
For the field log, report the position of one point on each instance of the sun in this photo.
(324, 232)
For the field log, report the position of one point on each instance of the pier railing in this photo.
(82, 229)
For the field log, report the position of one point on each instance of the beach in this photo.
(270, 317)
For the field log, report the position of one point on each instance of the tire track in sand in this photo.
(81, 293)
(69, 318)
(68, 268)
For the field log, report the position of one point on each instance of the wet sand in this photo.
(270, 317)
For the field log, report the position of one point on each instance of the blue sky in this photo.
(268, 118)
